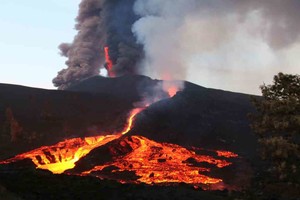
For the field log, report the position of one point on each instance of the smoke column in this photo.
(230, 44)
(100, 24)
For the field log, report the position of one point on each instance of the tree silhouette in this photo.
(277, 124)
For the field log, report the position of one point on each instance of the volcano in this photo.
(103, 128)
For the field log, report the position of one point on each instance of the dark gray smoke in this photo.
(100, 23)
(228, 44)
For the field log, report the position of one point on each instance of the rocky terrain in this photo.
(198, 119)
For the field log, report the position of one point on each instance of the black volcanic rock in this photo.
(200, 117)
(120, 160)
(131, 88)
(106, 153)
(29, 185)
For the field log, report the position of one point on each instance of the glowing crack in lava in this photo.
(155, 162)
(109, 63)
(227, 154)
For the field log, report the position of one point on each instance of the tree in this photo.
(277, 124)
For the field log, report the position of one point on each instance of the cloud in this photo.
(230, 44)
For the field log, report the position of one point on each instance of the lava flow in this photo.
(109, 63)
(133, 113)
(63, 155)
(227, 154)
(151, 162)
(154, 162)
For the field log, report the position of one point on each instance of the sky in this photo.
(32, 30)
(30, 34)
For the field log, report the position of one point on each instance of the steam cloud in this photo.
(198, 40)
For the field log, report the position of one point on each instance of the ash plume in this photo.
(228, 44)
(100, 24)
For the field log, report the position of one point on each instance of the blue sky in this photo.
(30, 33)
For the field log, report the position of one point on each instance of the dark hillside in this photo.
(197, 116)
(200, 117)
(32, 117)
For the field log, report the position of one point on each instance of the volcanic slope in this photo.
(197, 116)
(31, 117)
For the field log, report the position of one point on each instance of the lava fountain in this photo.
(109, 63)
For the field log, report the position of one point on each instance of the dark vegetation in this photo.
(277, 124)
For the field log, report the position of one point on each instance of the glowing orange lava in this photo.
(63, 155)
(157, 162)
(109, 62)
(133, 113)
(172, 91)
(227, 154)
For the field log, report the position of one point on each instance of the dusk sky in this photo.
(30, 34)
(32, 30)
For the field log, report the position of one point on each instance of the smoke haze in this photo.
(229, 44)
